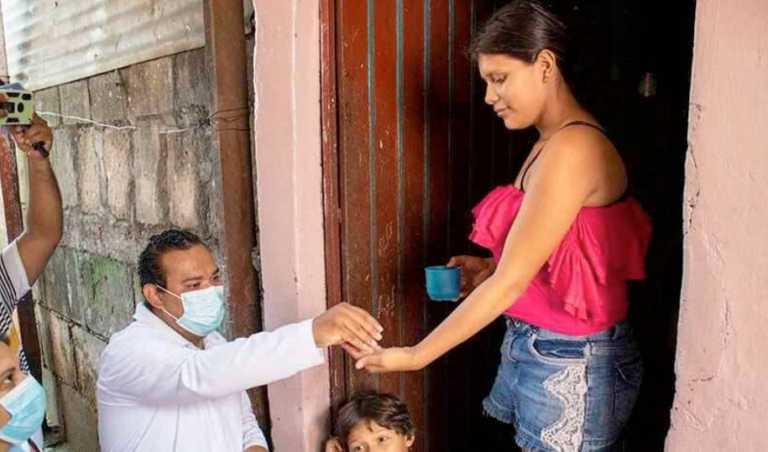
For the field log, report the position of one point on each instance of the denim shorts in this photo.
(566, 393)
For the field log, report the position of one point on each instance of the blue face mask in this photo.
(203, 310)
(26, 404)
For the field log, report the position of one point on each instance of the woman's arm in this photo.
(564, 181)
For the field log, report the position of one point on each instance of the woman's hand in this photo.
(474, 271)
(395, 359)
(333, 445)
(26, 137)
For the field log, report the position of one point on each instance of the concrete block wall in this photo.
(133, 156)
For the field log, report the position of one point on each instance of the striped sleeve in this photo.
(13, 284)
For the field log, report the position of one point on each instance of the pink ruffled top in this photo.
(581, 290)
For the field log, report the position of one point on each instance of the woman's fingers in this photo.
(375, 370)
(396, 359)
(366, 361)
(353, 351)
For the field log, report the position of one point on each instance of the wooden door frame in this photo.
(332, 212)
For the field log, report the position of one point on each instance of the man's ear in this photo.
(152, 295)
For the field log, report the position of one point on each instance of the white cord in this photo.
(89, 121)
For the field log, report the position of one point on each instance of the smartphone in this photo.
(20, 107)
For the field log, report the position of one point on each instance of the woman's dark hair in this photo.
(385, 410)
(151, 270)
(522, 29)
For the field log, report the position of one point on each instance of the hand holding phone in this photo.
(35, 140)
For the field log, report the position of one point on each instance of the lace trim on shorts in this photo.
(570, 387)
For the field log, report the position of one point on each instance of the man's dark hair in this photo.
(385, 410)
(151, 270)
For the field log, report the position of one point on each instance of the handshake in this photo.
(358, 333)
(351, 327)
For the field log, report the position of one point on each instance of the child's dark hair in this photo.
(385, 410)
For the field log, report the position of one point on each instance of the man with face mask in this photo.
(170, 382)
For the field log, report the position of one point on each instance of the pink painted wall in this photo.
(722, 361)
(290, 203)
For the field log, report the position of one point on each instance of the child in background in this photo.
(373, 422)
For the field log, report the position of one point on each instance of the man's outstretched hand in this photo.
(348, 325)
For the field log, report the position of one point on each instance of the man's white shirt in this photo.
(158, 392)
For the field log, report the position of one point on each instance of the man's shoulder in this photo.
(136, 341)
(125, 335)
(215, 339)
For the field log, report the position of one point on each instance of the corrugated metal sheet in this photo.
(50, 42)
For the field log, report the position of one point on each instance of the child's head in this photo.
(372, 422)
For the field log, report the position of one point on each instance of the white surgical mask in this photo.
(203, 310)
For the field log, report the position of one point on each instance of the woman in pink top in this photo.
(565, 239)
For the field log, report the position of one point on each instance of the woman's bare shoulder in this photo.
(584, 141)
(588, 154)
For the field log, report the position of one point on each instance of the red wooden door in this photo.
(410, 147)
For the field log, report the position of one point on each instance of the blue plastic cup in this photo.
(443, 283)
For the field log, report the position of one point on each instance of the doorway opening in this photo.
(410, 147)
